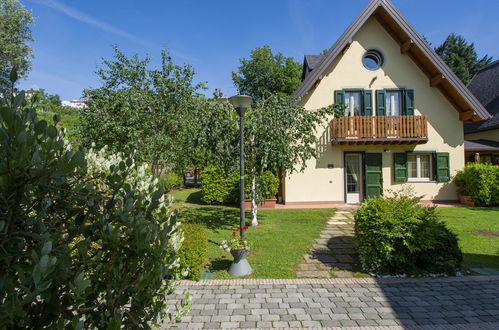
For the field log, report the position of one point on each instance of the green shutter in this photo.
(380, 103)
(400, 167)
(339, 97)
(367, 104)
(409, 102)
(374, 174)
(442, 166)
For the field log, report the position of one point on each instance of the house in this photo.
(482, 138)
(77, 104)
(404, 118)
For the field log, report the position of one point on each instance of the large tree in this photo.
(151, 111)
(461, 57)
(15, 35)
(266, 73)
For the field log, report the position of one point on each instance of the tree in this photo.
(461, 57)
(86, 239)
(279, 135)
(148, 110)
(15, 33)
(265, 73)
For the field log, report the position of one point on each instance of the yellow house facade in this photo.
(403, 118)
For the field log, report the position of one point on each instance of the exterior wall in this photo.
(445, 130)
(492, 135)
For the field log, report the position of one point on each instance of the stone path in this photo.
(334, 253)
(440, 303)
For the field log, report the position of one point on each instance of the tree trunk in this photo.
(254, 202)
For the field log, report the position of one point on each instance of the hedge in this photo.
(220, 187)
(194, 250)
(171, 181)
(396, 235)
(481, 182)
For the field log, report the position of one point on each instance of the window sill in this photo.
(420, 181)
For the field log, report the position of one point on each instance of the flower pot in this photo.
(266, 204)
(240, 266)
(466, 200)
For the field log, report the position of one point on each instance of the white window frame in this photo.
(351, 105)
(418, 168)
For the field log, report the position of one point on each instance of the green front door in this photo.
(373, 174)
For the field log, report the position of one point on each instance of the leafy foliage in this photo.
(265, 73)
(396, 235)
(15, 34)
(461, 57)
(193, 253)
(151, 111)
(87, 240)
(481, 182)
(171, 180)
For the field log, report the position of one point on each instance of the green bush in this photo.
(481, 182)
(218, 187)
(171, 181)
(86, 238)
(194, 250)
(396, 235)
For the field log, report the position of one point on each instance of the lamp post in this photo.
(240, 103)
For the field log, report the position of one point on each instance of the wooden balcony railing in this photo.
(379, 129)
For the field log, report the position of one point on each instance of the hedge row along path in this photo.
(334, 253)
(430, 303)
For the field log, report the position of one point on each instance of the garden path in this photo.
(334, 254)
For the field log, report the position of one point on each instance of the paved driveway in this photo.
(441, 303)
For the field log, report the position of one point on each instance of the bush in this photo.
(218, 187)
(171, 181)
(194, 250)
(87, 240)
(396, 235)
(481, 182)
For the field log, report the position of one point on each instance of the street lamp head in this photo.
(240, 103)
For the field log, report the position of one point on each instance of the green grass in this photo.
(69, 120)
(277, 244)
(479, 250)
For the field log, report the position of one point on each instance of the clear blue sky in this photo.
(72, 36)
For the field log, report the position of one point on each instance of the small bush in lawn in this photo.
(481, 182)
(171, 181)
(193, 252)
(396, 235)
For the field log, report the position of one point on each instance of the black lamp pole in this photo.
(240, 103)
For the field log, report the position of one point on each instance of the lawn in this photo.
(478, 233)
(277, 244)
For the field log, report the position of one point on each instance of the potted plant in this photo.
(239, 248)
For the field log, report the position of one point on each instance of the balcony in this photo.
(379, 130)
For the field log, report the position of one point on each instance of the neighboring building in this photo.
(405, 113)
(79, 104)
(482, 138)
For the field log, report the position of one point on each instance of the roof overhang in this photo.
(413, 45)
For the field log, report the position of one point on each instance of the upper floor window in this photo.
(353, 102)
(372, 60)
(393, 103)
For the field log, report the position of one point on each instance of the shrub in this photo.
(218, 187)
(396, 235)
(87, 240)
(171, 181)
(193, 252)
(481, 182)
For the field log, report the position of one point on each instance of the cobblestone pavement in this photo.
(441, 303)
(334, 253)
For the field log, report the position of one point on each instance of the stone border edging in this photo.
(333, 281)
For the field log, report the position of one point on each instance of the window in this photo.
(393, 103)
(372, 60)
(353, 102)
(419, 167)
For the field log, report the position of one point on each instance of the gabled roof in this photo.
(481, 145)
(412, 44)
(485, 86)
(310, 63)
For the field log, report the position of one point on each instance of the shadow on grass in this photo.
(219, 264)
(195, 198)
(215, 218)
(481, 260)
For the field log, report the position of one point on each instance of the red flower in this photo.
(245, 227)
(233, 233)
(238, 228)
(231, 228)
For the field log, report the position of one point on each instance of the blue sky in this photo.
(71, 37)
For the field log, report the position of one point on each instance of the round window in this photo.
(372, 59)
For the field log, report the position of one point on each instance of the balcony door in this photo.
(353, 178)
